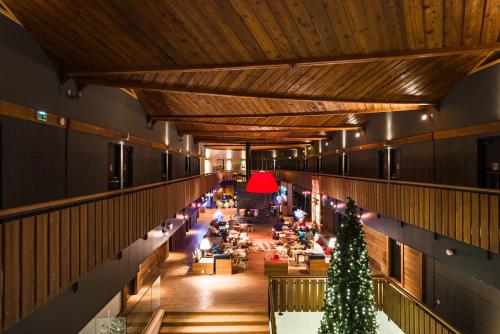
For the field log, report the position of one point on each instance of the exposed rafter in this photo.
(338, 127)
(249, 132)
(141, 85)
(270, 115)
(393, 56)
(240, 139)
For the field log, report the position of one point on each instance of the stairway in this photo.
(136, 322)
(215, 322)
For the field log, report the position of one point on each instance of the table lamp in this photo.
(205, 245)
(332, 242)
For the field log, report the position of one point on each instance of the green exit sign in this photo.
(41, 116)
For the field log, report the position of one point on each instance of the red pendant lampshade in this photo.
(262, 182)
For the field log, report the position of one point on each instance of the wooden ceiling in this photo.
(268, 71)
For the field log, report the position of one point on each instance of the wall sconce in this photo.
(426, 116)
(450, 251)
(359, 133)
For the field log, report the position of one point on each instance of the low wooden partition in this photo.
(46, 247)
(470, 215)
(307, 293)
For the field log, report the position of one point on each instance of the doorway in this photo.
(120, 168)
(128, 172)
(489, 163)
(163, 167)
(114, 158)
(395, 259)
(389, 164)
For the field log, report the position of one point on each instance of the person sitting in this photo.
(302, 237)
(309, 235)
(213, 230)
(279, 225)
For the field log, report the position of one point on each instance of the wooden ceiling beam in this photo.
(351, 59)
(339, 127)
(240, 139)
(136, 85)
(260, 137)
(280, 114)
(209, 132)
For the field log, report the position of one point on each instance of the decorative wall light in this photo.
(359, 133)
(450, 251)
(426, 116)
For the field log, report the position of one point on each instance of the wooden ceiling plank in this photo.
(338, 60)
(472, 22)
(259, 33)
(189, 91)
(306, 27)
(491, 22)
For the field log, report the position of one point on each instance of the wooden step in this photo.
(252, 329)
(215, 320)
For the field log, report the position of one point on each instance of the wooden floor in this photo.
(242, 291)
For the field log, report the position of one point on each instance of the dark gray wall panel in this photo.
(33, 158)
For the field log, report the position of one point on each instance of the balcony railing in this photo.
(46, 247)
(307, 293)
(470, 215)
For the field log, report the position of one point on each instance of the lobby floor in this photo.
(242, 291)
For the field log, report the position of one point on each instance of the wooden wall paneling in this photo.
(484, 232)
(466, 229)
(111, 228)
(451, 214)
(91, 236)
(12, 272)
(128, 218)
(444, 212)
(75, 244)
(439, 211)
(494, 224)
(105, 230)
(475, 219)
(65, 248)
(121, 223)
(459, 215)
(116, 226)
(426, 208)
(99, 228)
(83, 237)
(27, 239)
(432, 209)
(377, 245)
(42, 258)
(54, 252)
(412, 271)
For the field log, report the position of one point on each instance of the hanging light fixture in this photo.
(262, 182)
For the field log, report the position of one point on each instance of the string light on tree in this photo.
(349, 304)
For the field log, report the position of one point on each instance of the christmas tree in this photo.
(349, 304)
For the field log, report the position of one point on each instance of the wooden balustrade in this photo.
(306, 294)
(470, 215)
(47, 247)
